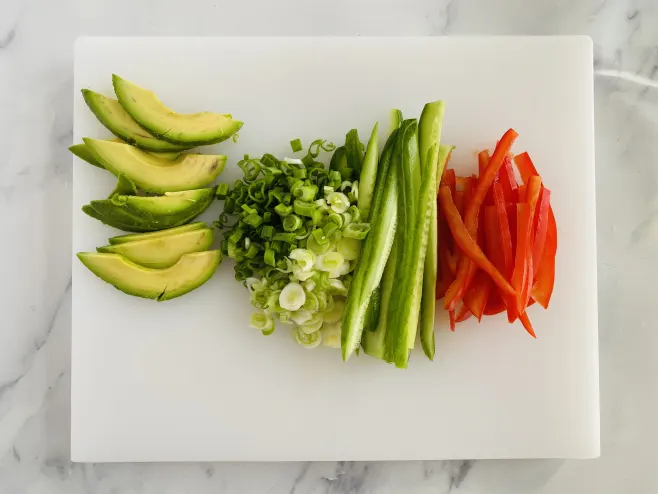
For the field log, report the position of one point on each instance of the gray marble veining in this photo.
(36, 39)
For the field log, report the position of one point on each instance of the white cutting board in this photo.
(188, 380)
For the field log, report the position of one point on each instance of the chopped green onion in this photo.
(296, 145)
(331, 261)
(260, 320)
(308, 340)
(285, 237)
(306, 192)
(292, 297)
(283, 210)
(335, 313)
(253, 220)
(291, 223)
(269, 257)
(338, 202)
(316, 247)
(300, 173)
(301, 316)
(312, 325)
(305, 258)
(311, 303)
(267, 231)
(331, 335)
(222, 191)
(319, 236)
(303, 208)
(336, 287)
(356, 230)
(350, 248)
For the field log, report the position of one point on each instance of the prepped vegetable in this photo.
(111, 114)
(429, 134)
(295, 232)
(511, 245)
(195, 129)
(154, 174)
(375, 251)
(189, 273)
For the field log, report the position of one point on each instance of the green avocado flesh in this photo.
(153, 174)
(82, 152)
(112, 115)
(162, 252)
(171, 203)
(184, 129)
(190, 272)
(122, 239)
(145, 214)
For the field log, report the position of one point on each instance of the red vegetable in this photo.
(469, 247)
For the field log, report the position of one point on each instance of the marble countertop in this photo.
(36, 58)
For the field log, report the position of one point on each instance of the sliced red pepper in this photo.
(520, 273)
(449, 178)
(540, 229)
(525, 320)
(451, 313)
(504, 228)
(478, 294)
(483, 160)
(508, 181)
(522, 193)
(459, 201)
(466, 269)
(495, 304)
(543, 287)
(463, 314)
(527, 169)
(466, 243)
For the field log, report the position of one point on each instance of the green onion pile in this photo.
(294, 229)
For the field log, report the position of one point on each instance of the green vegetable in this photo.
(415, 213)
(369, 173)
(429, 135)
(395, 119)
(354, 151)
(375, 250)
(296, 145)
(401, 325)
(374, 343)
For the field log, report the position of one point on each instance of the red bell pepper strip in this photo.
(520, 273)
(508, 181)
(466, 243)
(449, 178)
(466, 269)
(525, 320)
(527, 169)
(504, 228)
(522, 193)
(452, 319)
(483, 160)
(540, 229)
(459, 201)
(463, 314)
(478, 294)
(543, 287)
(495, 304)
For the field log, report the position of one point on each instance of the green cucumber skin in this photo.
(429, 134)
(374, 253)
(374, 343)
(368, 176)
(354, 151)
(408, 162)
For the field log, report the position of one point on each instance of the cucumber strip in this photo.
(428, 301)
(395, 119)
(354, 151)
(369, 173)
(374, 342)
(406, 157)
(374, 252)
(429, 134)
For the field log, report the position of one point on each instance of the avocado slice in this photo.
(124, 186)
(115, 222)
(190, 272)
(82, 152)
(165, 251)
(184, 129)
(153, 174)
(112, 115)
(122, 239)
(181, 203)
